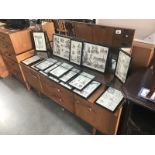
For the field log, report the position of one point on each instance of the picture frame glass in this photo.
(39, 41)
(82, 80)
(61, 46)
(110, 99)
(88, 90)
(123, 64)
(95, 56)
(76, 52)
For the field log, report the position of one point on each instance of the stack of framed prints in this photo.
(31, 60)
(61, 46)
(52, 67)
(88, 90)
(123, 64)
(95, 56)
(46, 63)
(76, 52)
(82, 80)
(73, 72)
(61, 70)
(110, 99)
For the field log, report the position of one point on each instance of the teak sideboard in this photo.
(98, 117)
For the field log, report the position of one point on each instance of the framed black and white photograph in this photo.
(46, 63)
(39, 41)
(61, 46)
(82, 80)
(31, 60)
(61, 70)
(76, 52)
(73, 72)
(52, 67)
(88, 90)
(110, 99)
(95, 56)
(123, 64)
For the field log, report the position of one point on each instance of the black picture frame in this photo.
(90, 65)
(105, 106)
(120, 64)
(74, 90)
(39, 37)
(54, 50)
(76, 40)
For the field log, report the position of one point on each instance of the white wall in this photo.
(143, 27)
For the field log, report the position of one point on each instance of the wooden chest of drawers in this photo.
(15, 46)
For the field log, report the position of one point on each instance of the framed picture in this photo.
(88, 90)
(61, 70)
(110, 99)
(123, 64)
(46, 63)
(31, 60)
(61, 46)
(52, 67)
(76, 52)
(69, 75)
(82, 80)
(95, 56)
(39, 41)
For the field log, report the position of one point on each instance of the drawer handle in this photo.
(58, 90)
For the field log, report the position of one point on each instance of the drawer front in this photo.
(106, 121)
(85, 113)
(33, 79)
(49, 89)
(14, 68)
(67, 98)
(100, 118)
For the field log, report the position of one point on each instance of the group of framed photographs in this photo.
(78, 52)
(93, 56)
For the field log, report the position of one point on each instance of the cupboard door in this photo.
(49, 89)
(85, 113)
(67, 98)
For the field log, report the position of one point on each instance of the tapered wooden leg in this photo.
(94, 131)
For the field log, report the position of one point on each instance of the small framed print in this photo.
(39, 41)
(76, 52)
(88, 90)
(110, 99)
(95, 56)
(72, 73)
(61, 70)
(52, 67)
(61, 46)
(46, 63)
(31, 60)
(123, 64)
(82, 80)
